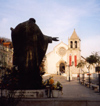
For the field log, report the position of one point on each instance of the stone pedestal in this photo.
(26, 93)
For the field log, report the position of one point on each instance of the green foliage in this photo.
(81, 64)
(59, 86)
(92, 59)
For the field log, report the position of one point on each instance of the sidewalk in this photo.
(74, 90)
(74, 94)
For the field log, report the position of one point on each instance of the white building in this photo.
(64, 58)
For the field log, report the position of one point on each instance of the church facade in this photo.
(64, 58)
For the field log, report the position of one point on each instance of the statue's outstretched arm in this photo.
(55, 39)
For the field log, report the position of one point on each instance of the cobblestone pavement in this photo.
(74, 89)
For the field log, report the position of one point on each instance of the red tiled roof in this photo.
(6, 44)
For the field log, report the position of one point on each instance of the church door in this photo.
(62, 68)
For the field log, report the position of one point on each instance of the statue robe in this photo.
(30, 46)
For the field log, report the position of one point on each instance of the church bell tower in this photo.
(74, 50)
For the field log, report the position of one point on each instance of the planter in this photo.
(55, 93)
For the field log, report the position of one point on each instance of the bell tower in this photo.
(74, 41)
(74, 49)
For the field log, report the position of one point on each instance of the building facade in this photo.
(64, 58)
(6, 54)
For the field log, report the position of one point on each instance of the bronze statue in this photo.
(30, 46)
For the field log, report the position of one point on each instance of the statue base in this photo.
(25, 93)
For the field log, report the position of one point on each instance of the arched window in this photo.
(75, 44)
(71, 44)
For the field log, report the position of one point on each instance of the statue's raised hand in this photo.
(55, 39)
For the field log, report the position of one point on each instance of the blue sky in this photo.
(56, 18)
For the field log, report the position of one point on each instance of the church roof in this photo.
(60, 44)
(74, 35)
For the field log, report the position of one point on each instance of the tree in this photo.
(80, 65)
(93, 60)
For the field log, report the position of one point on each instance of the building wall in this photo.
(54, 59)
(6, 56)
(65, 54)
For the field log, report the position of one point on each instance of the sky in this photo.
(56, 18)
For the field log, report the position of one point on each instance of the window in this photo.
(71, 44)
(62, 51)
(75, 44)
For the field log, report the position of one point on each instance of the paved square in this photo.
(74, 90)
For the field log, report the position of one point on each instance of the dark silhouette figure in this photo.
(30, 46)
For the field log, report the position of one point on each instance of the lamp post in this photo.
(99, 81)
(89, 79)
(69, 68)
(89, 75)
(97, 68)
(69, 72)
(79, 75)
(83, 78)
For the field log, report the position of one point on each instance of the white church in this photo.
(64, 58)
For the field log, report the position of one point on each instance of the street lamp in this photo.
(69, 72)
(79, 75)
(89, 74)
(97, 68)
(69, 68)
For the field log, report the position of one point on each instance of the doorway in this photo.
(62, 68)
